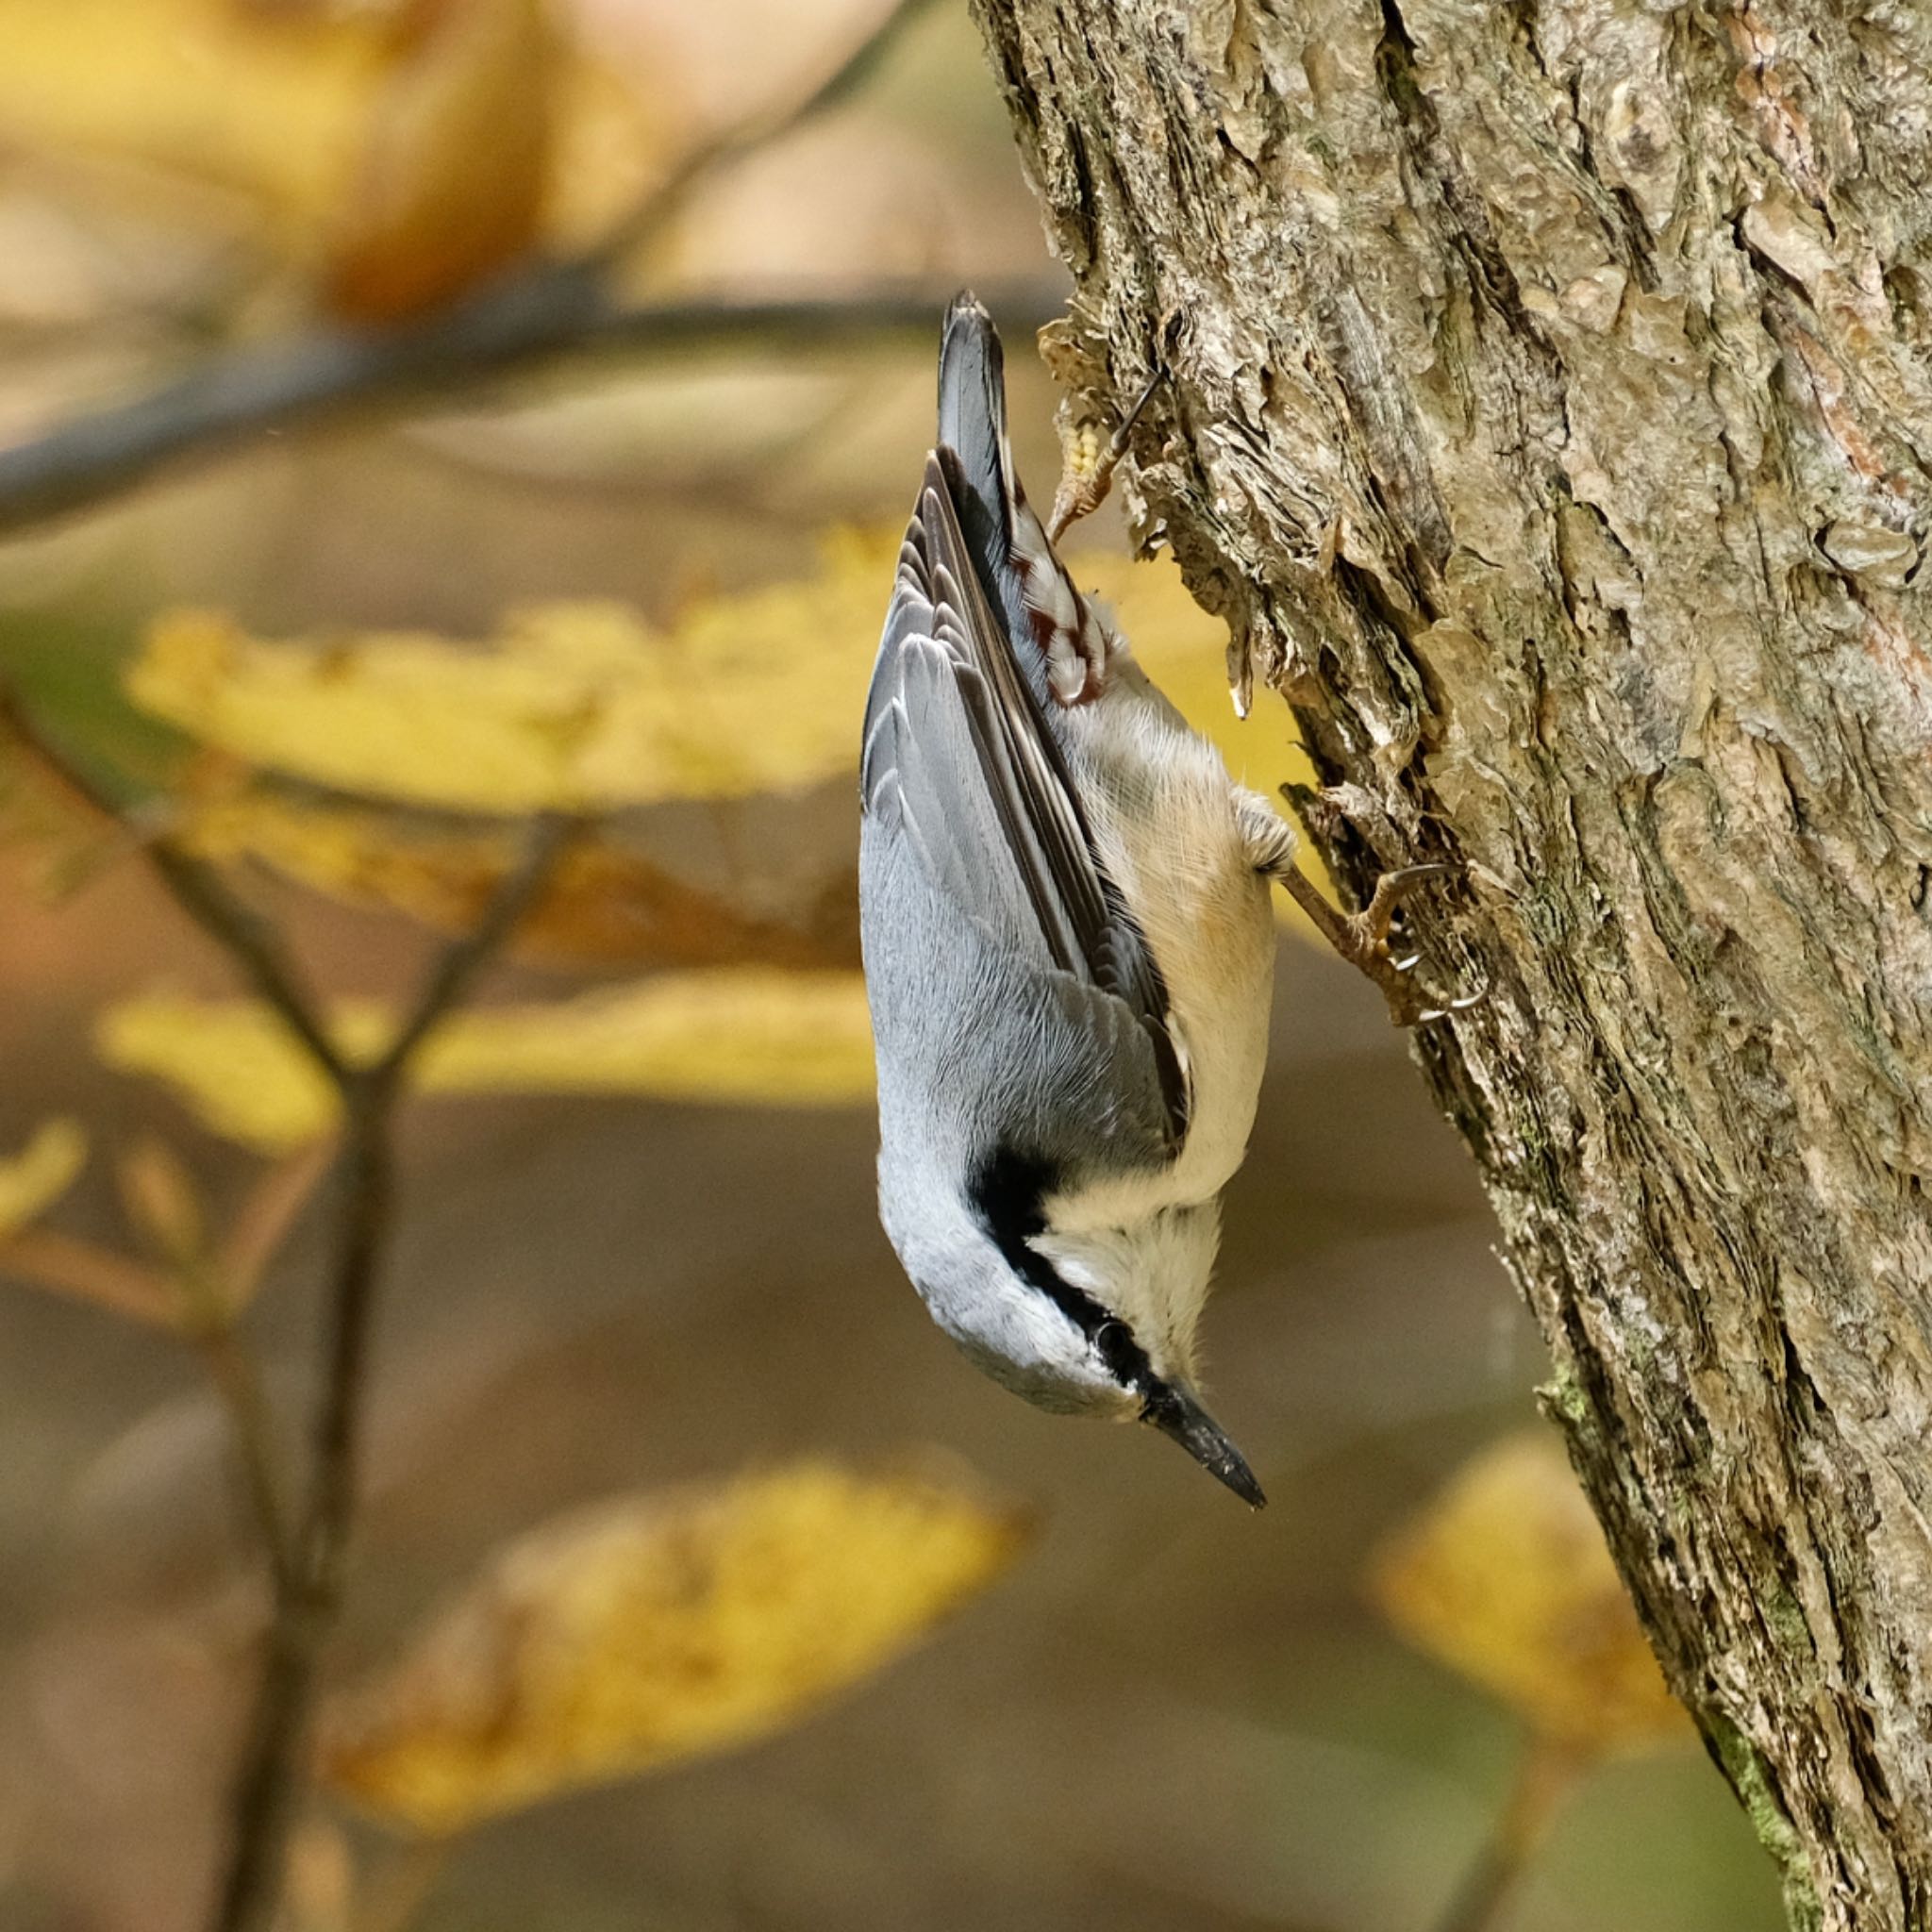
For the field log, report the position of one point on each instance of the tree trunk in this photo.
(1551, 418)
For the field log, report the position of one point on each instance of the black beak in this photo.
(1175, 1413)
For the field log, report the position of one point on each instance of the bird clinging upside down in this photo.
(1068, 950)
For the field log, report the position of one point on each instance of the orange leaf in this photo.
(457, 158)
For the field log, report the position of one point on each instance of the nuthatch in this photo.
(1069, 951)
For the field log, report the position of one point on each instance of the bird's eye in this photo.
(1113, 1341)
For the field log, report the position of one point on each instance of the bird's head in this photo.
(1085, 1316)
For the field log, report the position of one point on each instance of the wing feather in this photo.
(958, 757)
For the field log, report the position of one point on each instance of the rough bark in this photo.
(1551, 419)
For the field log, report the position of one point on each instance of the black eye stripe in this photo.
(1008, 1193)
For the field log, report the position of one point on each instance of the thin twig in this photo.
(216, 1289)
(550, 310)
(263, 1220)
(201, 891)
(269, 1776)
(63, 1264)
(270, 1767)
(264, 1482)
(458, 965)
(1544, 1774)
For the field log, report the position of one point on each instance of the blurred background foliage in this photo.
(664, 1459)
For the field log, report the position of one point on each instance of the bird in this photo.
(1068, 944)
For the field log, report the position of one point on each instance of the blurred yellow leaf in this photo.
(577, 706)
(630, 1637)
(234, 1063)
(582, 706)
(41, 1172)
(747, 1036)
(200, 87)
(1505, 1578)
(743, 1036)
(284, 103)
(606, 901)
(456, 158)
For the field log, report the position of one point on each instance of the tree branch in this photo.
(543, 309)
(553, 309)
(249, 938)
(307, 1564)
(270, 1767)
(458, 965)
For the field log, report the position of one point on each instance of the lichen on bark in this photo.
(1551, 416)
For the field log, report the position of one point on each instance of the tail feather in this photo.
(1021, 578)
(972, 426)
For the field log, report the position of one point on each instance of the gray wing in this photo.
(960, 761)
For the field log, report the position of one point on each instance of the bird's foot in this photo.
(1365, 944)
(1363, 939)
(1086, 469)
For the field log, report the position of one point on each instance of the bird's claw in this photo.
(1362, 939)
(1078, 496)
(1088, 476)
(1461, 1005)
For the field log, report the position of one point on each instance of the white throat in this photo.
(1152, 1269)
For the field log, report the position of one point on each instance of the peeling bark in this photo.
(1552, 420)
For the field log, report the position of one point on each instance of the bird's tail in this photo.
(973, 427)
